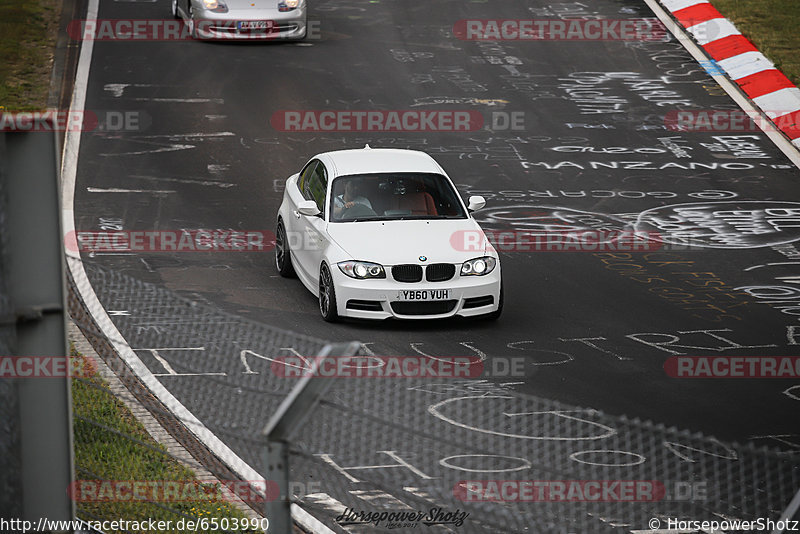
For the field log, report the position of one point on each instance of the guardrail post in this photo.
(32, 263)
(288, 417)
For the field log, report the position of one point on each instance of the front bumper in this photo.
(224, 26)
(377, 299)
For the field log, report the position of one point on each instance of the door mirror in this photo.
(476, 203)
(309, 208)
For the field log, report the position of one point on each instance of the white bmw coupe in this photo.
(380, 233)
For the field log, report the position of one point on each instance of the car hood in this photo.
(395, 242)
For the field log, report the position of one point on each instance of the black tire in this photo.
(327, 295)
(495, 315)
(283, 255)
(191, 22)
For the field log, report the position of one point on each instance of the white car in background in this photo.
(243, 19)
(375, 233)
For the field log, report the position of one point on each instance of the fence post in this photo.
(32, 262)
(288, 417)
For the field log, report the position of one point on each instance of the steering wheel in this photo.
(357, 210)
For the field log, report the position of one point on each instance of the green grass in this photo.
(28, 30)
(103, 454)
(773, 26)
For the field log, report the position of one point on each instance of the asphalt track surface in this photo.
(206, 156)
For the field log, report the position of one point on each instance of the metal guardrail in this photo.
(36, 432)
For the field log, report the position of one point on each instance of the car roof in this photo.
(375, 160)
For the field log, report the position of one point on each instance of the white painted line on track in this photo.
(308, 521)
(117, 89)
(116, 190)
(171, 148)
(323, 500)
(789, 513)
(185, 135)
(182, 100)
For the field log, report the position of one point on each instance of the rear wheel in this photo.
(327, 295)
(283, 256)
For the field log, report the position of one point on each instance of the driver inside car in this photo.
(349, 198)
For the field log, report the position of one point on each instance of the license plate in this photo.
(424, 294)
(255, 25)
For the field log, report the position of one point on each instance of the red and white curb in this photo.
(755, 75)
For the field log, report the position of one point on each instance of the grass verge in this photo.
(111, 445)
(773, 26)
(28, 31)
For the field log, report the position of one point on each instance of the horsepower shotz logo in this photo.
(403, 518)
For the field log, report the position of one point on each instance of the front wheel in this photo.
(327, 295)
(283, 255)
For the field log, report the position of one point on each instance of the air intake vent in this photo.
(439, 272)
(408, 273)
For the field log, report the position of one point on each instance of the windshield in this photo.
(393, 196)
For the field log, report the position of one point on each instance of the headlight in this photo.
(362, 269)
(288, 5)
(217, 6)
(478, 266)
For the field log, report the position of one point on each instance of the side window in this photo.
(316, 186)
(304, 174)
